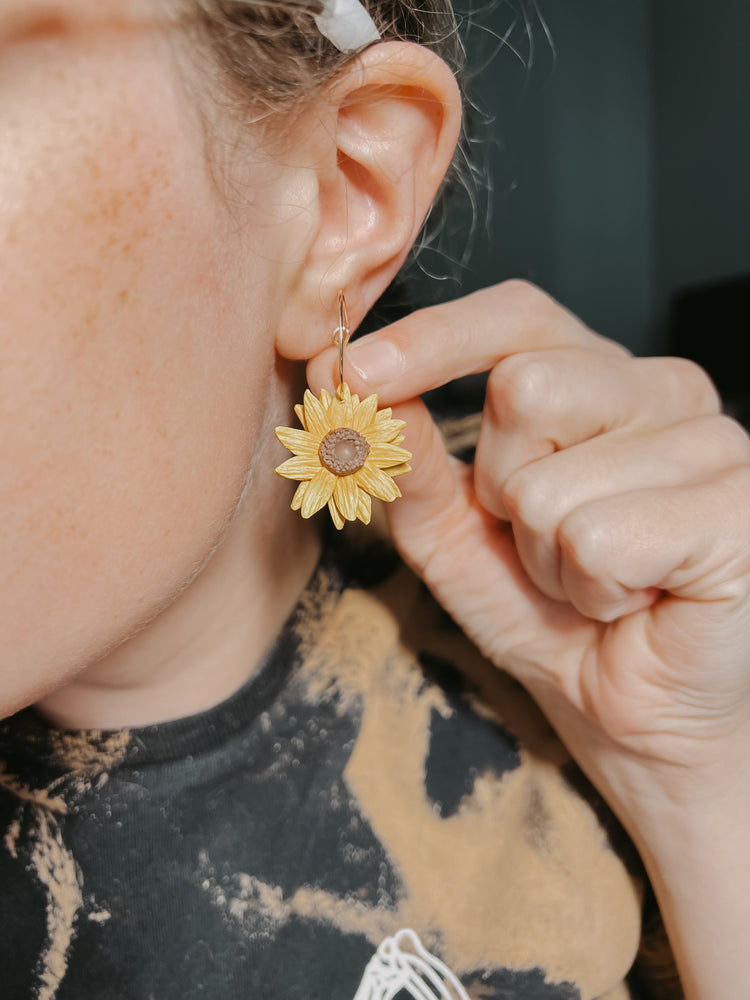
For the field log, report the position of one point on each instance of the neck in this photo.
(209, 641)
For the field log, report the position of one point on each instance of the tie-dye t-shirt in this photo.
(377, 814)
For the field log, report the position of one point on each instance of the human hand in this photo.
(598, 549)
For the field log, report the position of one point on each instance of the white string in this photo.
(346, 24)
(414, 970)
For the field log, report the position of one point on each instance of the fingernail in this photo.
(376, 361)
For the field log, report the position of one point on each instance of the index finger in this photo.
(435, 345)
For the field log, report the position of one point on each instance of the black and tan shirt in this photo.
(378, 814)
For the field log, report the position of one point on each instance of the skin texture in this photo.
(126, 383)
(151, 331)
(154, 265)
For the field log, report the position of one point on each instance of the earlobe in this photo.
(397, 114)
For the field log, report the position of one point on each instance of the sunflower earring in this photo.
(347, 451)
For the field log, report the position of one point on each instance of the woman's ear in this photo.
(392, 120)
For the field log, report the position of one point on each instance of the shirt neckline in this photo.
(27, 740)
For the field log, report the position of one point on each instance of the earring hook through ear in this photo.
(341, 336)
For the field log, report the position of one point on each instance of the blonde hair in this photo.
(271, 51)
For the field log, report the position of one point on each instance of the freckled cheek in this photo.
(126, 399)
(114, 349)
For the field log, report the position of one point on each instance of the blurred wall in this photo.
(620, 165)
(701, 144)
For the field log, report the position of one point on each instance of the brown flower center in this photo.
(343, 451)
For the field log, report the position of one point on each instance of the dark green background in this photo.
(618, 163)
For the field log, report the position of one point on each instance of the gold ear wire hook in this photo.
(341, 338)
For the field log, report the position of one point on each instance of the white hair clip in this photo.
(346, 24)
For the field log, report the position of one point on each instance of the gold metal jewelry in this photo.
(347, 451)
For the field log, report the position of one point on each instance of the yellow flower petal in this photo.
(300, 494)
(377, 435)
(394, 434)
(393, 431)
(376, 482)
(399, 470)
(300, 442)
(297, 468)
(340, 412)
(384, 455)
(335, 516)
(318, 493)
(365, 413)
(388, 431)
(364, 506)
(316, 416)
(345, 495)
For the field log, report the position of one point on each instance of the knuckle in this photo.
(618, 351)
(528, 502)
(732, 437)
(522, 291)
(713, 442)
(520, 388)
(490, 496)
(525, 298)
(734, 497)
(584, 545)
(546, 320)
(606, 613)
(688, 378)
